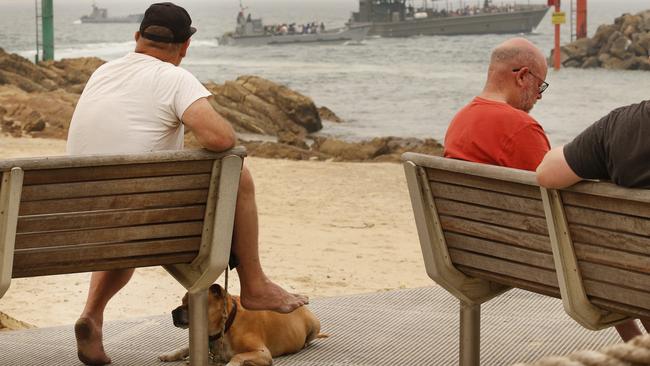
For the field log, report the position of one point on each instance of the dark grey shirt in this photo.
(617, 147)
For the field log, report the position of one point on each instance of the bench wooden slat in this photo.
(111, 235)
(492, 216)
(611, 257)
(619, 241)
(615, 276)
(76, 255)
(608, 204)
(511, 281)
(607, 220)
(618, 294)
(487, 184)
(500, 250)
(496, 233)
(70, 175)
(117, 218)
(106, 265)
(144, 200)
(115, 187)
(489, 199)
(503, 267)
(615, 307)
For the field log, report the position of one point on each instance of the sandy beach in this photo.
(326, 229)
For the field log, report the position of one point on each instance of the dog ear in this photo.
(215, 289)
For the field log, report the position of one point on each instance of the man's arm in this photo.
(554, 171)
(211, 130)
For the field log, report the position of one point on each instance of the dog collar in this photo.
(229, 321)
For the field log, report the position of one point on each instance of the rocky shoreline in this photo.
(624, 45)
(277, 122)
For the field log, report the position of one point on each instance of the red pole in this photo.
(556, 53)
(581, 19)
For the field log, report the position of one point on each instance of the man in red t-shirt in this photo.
(495, 127)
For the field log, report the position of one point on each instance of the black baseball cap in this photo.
(170, 16)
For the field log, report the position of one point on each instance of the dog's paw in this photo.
(176, 355)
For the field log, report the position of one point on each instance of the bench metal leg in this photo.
(199, 348)
(470, 334)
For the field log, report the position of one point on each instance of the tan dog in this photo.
(252, 337)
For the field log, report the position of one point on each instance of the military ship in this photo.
(253, 32)
(400, 18)
(100, 15)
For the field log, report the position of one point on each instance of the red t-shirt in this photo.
(492, 132)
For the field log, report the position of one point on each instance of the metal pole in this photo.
(470, 334)
(556, 53)
(36, 15)
(48, 29)
(581, 19)
(199, 348)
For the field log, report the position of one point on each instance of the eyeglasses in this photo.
(544, 84)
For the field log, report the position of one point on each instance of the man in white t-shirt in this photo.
(141, 102)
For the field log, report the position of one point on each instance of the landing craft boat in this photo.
(100, 15)
(252, 32)
(400, 18)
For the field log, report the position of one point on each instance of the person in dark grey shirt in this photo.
(616, 148)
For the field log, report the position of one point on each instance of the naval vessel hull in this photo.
(523, 21)
(348, 34)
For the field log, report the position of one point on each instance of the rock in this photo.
(577, 49)
(635, 63)
(41, 114)
(645, 22)
(603, 33)
(299, 108)
(281, 151)
(46, 76)
(327, 114)
(348, 151)
(644, 42)
(379, 149)
(607, 46)
(590, 62)
(257, 105)
(619, 46)
(288, 138)
(644, 64)
(572, 63)
(630, 24)
(613, 63)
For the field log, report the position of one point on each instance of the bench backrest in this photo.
(80, 214)
(609, 229)
(492, 224)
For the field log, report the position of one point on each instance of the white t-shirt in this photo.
(133, 104)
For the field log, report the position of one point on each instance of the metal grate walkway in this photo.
(404, 327)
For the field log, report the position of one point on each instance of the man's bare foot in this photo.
(270, 296)
(90, 349)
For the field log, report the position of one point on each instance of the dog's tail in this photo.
(322, 335)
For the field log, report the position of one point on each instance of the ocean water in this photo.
(408, 87)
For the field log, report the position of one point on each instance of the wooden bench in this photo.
(485, 229)
(73, 214)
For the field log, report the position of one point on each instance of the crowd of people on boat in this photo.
(283, 28)
(293, 28)
(412, 12)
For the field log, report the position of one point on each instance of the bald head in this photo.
(520, 88)
(516, 53)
